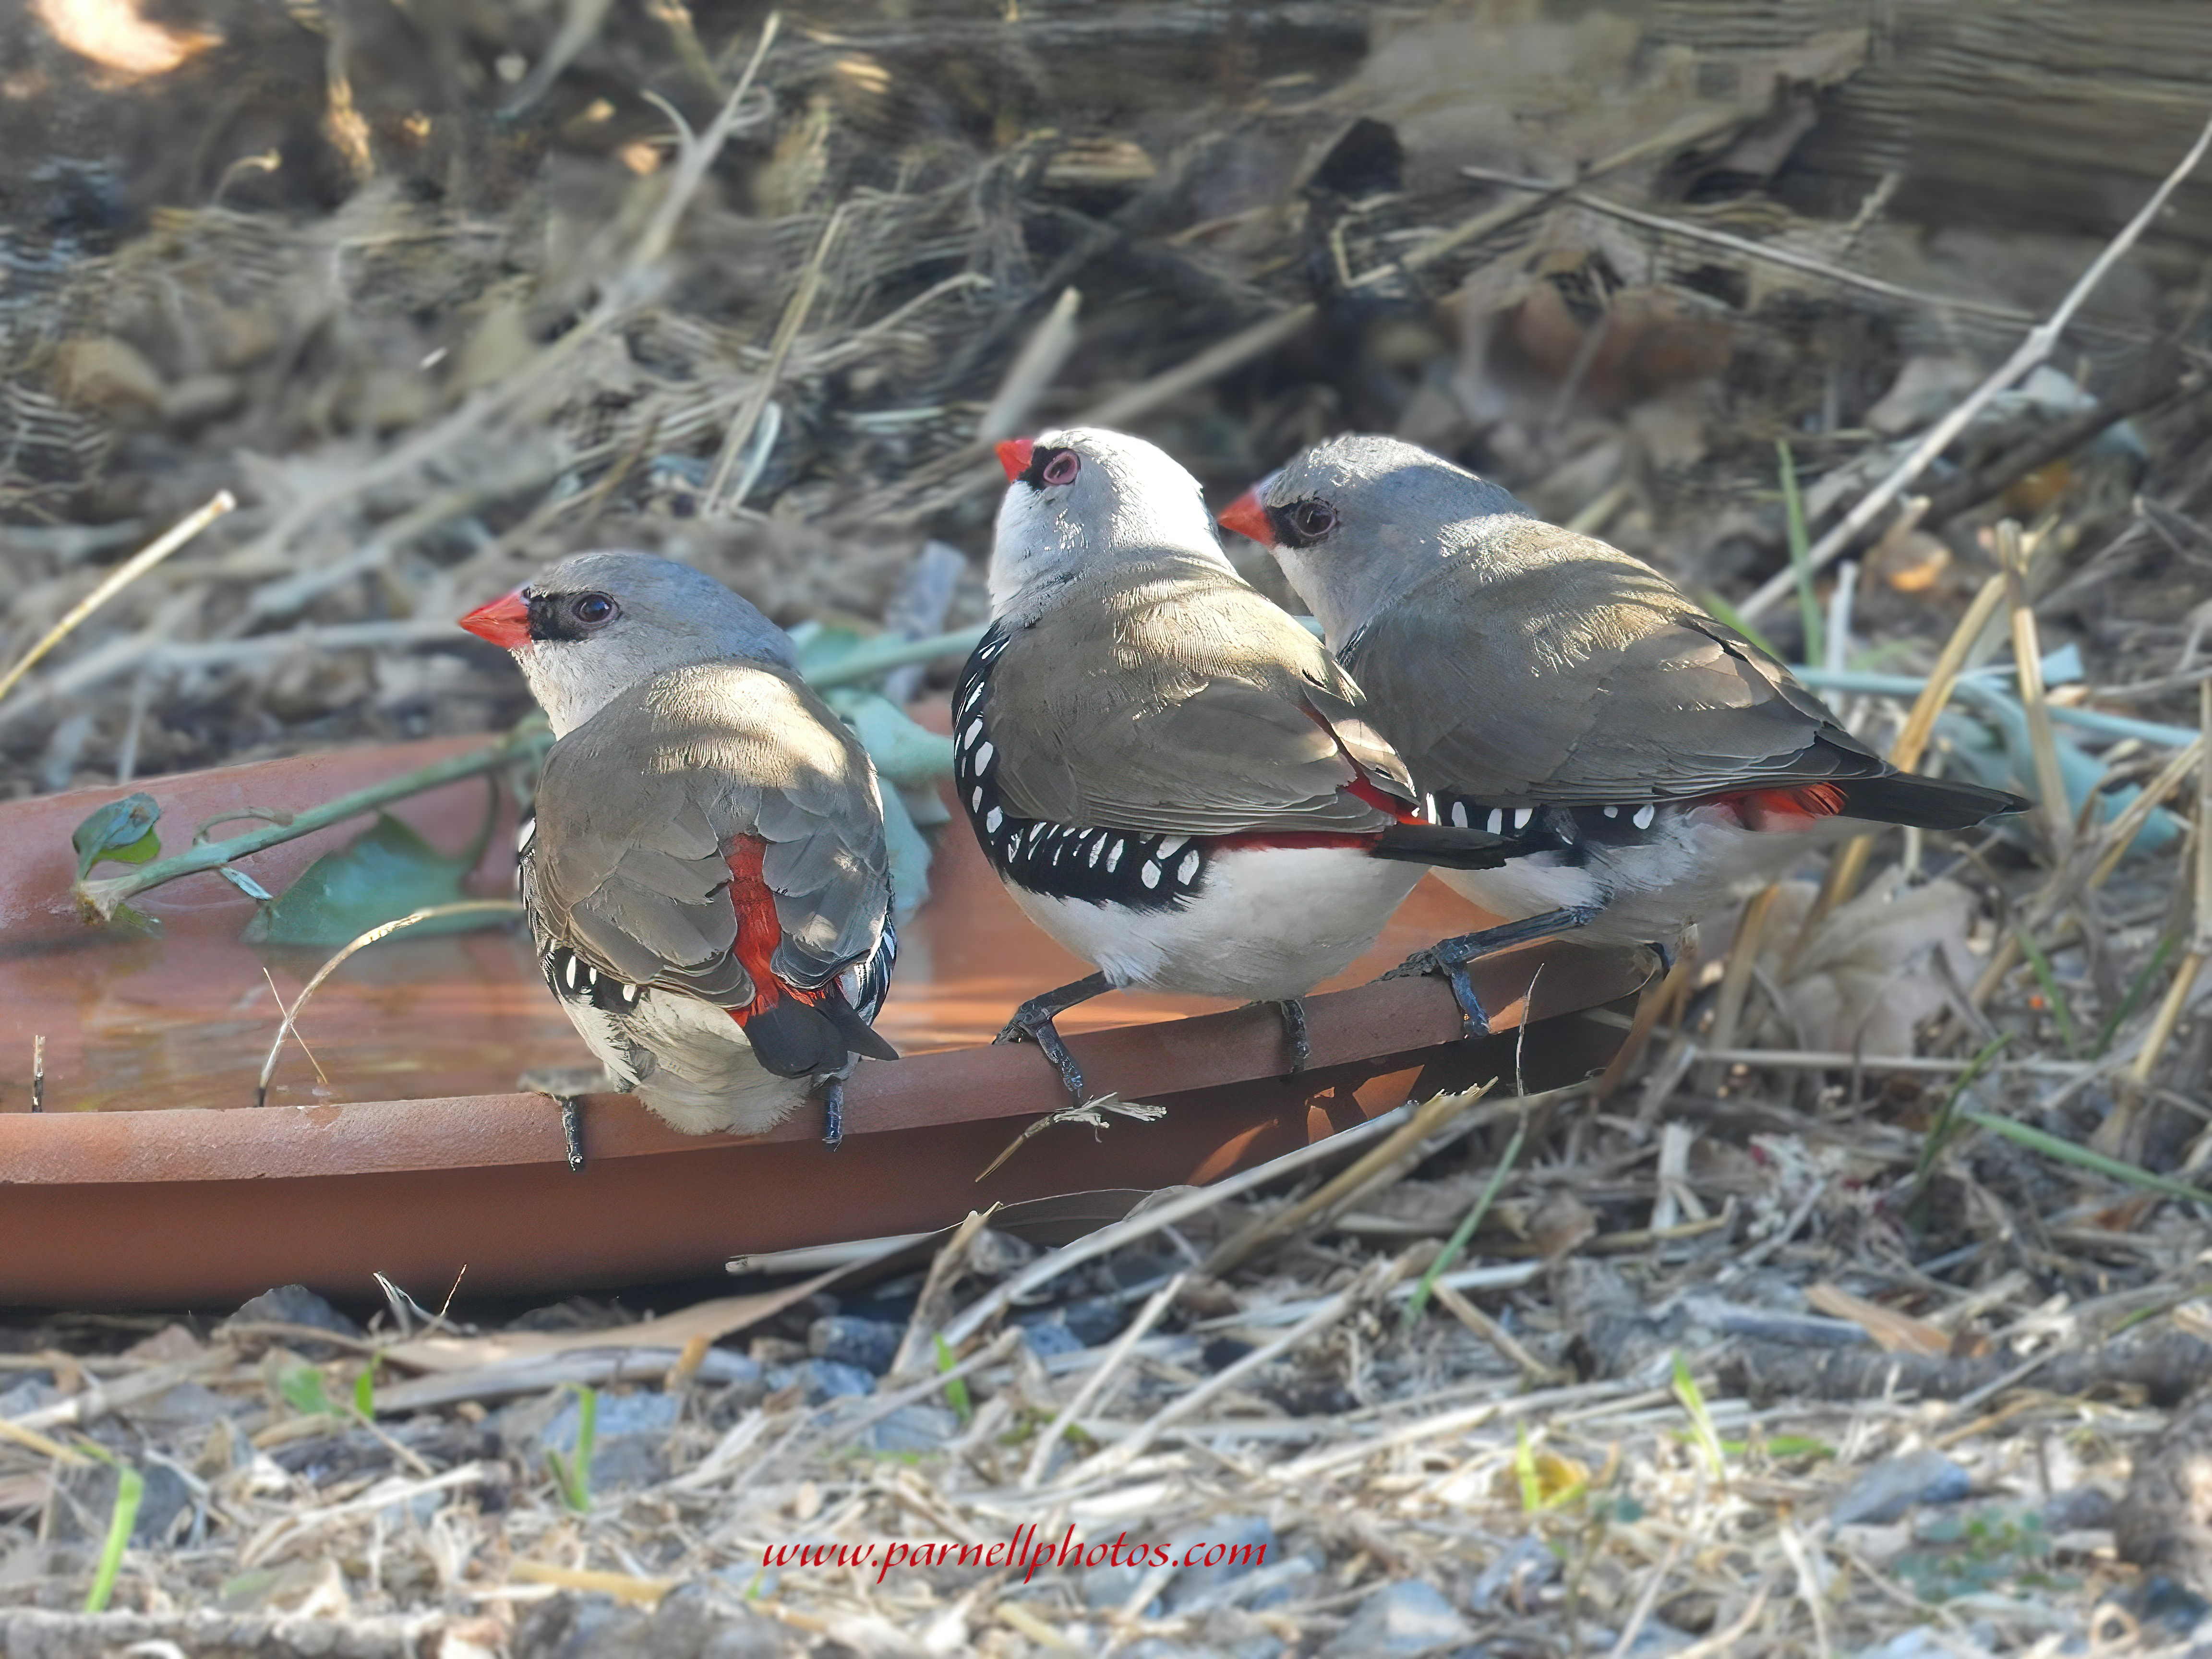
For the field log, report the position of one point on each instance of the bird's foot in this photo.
(1452, 956)
(567, 1086)
(833, 1113)
(1033, 1022)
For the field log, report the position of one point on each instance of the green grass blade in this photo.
(1524, 1471)
(1946, 1125)
(1734, 618)
(1465, 1231)
(129, 1488)
(2067, 1151)
(2062, 1013)
(1701, 1417)
(574, 1476)
(2146, 977)
(1801, 558)
(955, 1390)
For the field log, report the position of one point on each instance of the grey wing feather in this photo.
(639, 807)
(1185, 702)
(1712, 711)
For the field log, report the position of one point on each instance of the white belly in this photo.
(702, 1074)
(1699, 863)
(1267, 923)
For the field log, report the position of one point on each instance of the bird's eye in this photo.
(1312, 520)
(591, 609)
(1062, 466)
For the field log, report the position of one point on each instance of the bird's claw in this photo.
(1034, 1025)
(567, 1085)
(1451, 958)
(1450, 964)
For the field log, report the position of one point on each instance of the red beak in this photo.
(1247, 518)
(1014, 455)
(505, 622)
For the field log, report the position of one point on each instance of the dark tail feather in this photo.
(798, 1039)
(1442, 844)
(859, 1036)
(1921, 802)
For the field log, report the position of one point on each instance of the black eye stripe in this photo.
(1041, 461)
(1301, 524)
(554, 616)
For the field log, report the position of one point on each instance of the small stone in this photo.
(686, 1619)
(870, 1344)
(573, 1626)
(34, 1392)
(1096, 1319)
(751, 1635)
(1050, 1336)
(2081, 1509)
(1518, 1573)
(295, 1305)
(1408, 1617)
(915, 1428)
(1245, 1541)
(823, 1379)
(1888, 1489)
(629, 1432)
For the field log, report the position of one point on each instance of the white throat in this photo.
(569, 687)
(1047, 539)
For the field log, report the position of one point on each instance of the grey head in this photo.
(1084, 499)
(588, 628)
(1357, 523)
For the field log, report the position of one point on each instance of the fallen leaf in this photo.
(387, 872)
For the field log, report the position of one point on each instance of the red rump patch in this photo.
(1784, 811)
(1362, 787)
(759, 931)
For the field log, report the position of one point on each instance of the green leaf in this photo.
(2066, 1152)
(1800, 562)
(2136, 986)
(1939, 1133)
(905, 752)
(1693, 1399)
(1524, 1470)
(129, 1488)
(1799, 1445)
(1450, 1253)
(302, 1388)
(1728, 613)
(573, 1475)
(122, 831)
(387, 872)
(364, 1391)
(910, 852)
(2061, 1012)
(956, 1391)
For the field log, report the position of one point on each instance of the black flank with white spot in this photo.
(1063, 861)
(1571, 832)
